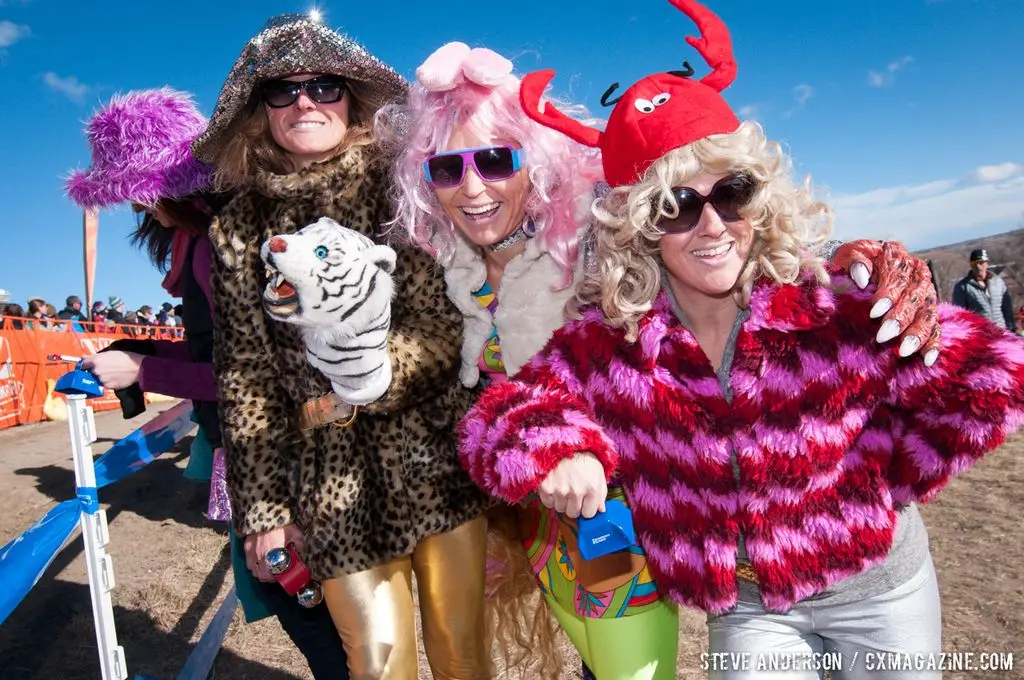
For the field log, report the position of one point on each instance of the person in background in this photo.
(145, 317)
(72, 311)
(167, 188)
(14, 313)
(38, 311)
(98, 314)
(984, 292)
(169, 327)
(1018, 318)
(115, 309)
(933, 275)
(98, 318)
(166, 310)
(10, 313)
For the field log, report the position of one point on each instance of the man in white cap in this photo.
(985, 293)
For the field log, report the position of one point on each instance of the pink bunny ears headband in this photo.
(454, 64)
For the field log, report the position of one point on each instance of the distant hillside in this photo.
(1005, 251)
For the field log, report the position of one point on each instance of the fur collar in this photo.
(529, 310)
(790, 308)
(350, 166)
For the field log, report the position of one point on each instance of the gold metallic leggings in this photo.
(373, 610)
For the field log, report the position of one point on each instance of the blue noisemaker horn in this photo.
(606, 532)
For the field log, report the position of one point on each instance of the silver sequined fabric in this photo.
(289, 44)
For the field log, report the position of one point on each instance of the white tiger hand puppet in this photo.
(336, 285)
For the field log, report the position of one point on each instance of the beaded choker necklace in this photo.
(525, 231)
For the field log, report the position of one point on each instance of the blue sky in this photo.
(909, 111)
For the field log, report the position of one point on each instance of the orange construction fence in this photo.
(27, 377)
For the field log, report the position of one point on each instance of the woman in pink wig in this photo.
(772, 450)
(504, 206)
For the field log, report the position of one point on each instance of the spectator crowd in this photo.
(111, 316)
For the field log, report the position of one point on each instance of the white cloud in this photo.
(70, 87)
(887, 76)
(11, 33)
(987, 200)
(747, 112)
(801, 93)
(997, 173)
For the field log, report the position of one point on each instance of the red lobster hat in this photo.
(660, 113)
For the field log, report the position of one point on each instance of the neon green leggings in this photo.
(638, 647)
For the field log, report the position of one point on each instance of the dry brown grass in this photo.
(172, 571)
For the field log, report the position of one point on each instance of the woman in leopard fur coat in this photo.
(367, 497)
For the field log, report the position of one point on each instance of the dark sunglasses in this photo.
(323, 90)
(728, 197)
(492, 163)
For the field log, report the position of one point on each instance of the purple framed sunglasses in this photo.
(492, 163)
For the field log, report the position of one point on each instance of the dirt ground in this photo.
(172, 569)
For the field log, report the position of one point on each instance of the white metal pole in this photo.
(96, 537)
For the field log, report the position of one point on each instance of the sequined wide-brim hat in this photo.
(289, 44)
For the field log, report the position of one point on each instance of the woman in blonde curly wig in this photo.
(702, 376)
(786, 220)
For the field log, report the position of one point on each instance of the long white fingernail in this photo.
(889, 330)
(880, 308)
(859, 274)
(909, 345)
(930, 357)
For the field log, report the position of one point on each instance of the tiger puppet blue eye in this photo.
(321, 252)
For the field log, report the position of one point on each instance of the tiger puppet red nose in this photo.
(277, 245)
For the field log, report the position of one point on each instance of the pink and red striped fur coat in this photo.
(833, 433)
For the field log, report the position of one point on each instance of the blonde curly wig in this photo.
(786, 218)
(519, 619)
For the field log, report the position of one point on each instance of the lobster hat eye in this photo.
(644, 105)
(660, 99)
(383, 257)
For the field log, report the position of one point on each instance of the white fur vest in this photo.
(531, 304)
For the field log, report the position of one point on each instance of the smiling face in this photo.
(485, 212)
(708, 259)
(307, 131)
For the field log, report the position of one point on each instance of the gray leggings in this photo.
(905, 621)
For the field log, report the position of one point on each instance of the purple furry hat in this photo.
(140, 151)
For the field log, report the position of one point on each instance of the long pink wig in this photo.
(562, 173)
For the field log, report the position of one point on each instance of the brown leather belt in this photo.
(745, 572)
(326, 410)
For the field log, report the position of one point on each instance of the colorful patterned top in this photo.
(492, 368)
(612, 586)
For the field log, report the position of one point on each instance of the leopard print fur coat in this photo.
(366, 494)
